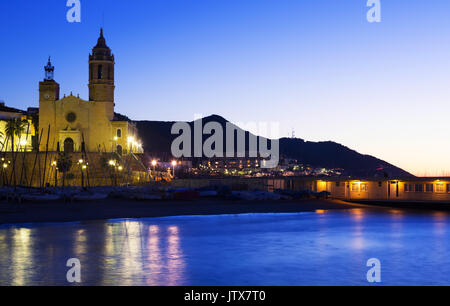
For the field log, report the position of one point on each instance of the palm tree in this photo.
(2, 141)
(15, 127)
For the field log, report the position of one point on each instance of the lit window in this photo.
(355, 187)
(364, 187)
(429, 187)
(440, 188)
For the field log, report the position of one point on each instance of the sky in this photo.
(316, 67)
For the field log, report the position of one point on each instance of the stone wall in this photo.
(39, 169)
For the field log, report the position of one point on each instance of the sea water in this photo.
(320, 248)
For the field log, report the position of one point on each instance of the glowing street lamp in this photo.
(174, 164)
(55, 164)
(113, 164)
(83, 167)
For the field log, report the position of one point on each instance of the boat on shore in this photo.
(87, 196)
(40, 197)
(147, 197)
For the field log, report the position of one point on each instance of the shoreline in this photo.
(110, 209)
(407, 205)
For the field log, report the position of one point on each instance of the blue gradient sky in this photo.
(316, 66)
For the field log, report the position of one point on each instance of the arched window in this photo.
(119, 150)
(69, 145)
(100, 72)
(119, 133)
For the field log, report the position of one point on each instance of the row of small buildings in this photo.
(414, 189)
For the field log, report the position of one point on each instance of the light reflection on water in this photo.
(321, 248)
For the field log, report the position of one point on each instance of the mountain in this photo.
(157, 139)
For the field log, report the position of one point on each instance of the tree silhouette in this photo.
(64, 164)
(15, 128)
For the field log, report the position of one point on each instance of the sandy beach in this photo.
(13, 213)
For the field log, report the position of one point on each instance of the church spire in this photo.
(49, 71)
(101, 43)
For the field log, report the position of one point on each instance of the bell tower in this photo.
(48, 89)
(101, 73)
(48, 97)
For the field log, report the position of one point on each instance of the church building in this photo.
(91, 125)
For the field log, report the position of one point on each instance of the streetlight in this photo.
(82, 167)
(113, 164)
(174, 164)
(4, 168)
(55, 165)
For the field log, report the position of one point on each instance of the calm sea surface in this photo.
(322, 248)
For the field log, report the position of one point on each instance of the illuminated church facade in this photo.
(71, 124)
